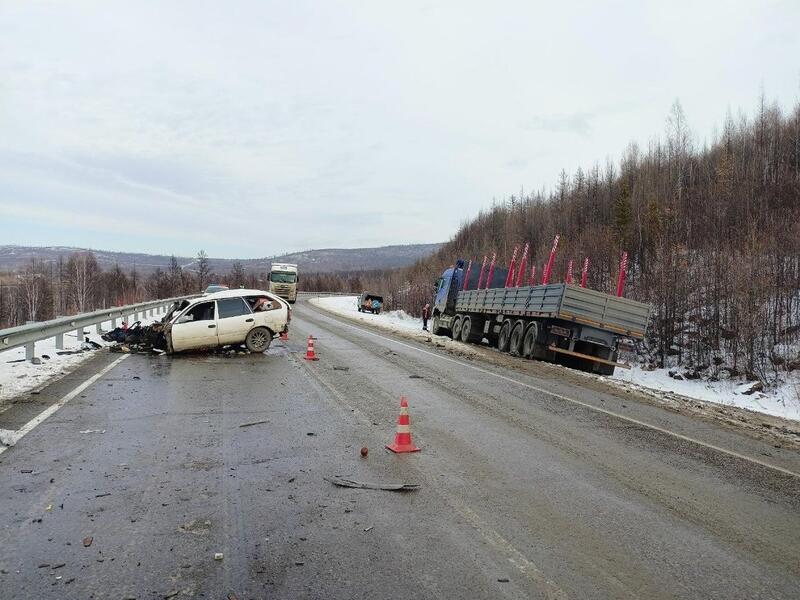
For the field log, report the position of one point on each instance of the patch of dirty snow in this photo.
(18, 376)
(783, 401)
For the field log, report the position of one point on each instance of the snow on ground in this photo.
(394, 320)
(18, 375)
(782, 402)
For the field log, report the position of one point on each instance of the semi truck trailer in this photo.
(557, 322)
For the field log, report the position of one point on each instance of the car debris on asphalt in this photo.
(389, 487)
(251, 423)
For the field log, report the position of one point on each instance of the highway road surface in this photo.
(531, 485)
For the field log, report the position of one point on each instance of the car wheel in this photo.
(515, 343)
(504, 336)
(258, 339)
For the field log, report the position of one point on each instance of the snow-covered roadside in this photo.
(18, 376)
(783, 402)
(396, 321)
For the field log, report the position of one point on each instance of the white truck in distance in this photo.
(283, 281)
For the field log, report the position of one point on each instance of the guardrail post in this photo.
(98, 329)
(79, 333)
(29, 351)
(114, 323)
(59, 341)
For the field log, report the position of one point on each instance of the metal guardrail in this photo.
(323, 294)
(28, 335)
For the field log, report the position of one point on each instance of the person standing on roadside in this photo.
(426, 314)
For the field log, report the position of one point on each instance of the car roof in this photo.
(238, 292)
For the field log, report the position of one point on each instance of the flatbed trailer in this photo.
(557, 322)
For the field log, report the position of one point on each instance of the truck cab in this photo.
(283, 280)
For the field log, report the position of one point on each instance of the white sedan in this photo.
(250, 317)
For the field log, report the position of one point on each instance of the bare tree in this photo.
(204, 273)
(82, 274)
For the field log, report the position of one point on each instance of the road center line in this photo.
(598, 409)
(42, 416)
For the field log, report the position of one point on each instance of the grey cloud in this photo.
(577, 123)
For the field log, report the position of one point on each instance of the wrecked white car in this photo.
(231, 317)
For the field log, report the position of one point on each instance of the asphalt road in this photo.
(531, 486)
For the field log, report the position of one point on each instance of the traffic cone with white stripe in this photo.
(402, 440)
(310, 354)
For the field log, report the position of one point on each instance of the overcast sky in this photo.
(251, 128)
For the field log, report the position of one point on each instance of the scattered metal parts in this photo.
(254, 423)
(389, 487)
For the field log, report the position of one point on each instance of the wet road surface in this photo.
(526, 490)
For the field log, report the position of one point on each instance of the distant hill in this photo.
(326, 260)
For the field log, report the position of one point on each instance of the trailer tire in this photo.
(457, 328)
(504, 336)
(529, 340)
(515, 342)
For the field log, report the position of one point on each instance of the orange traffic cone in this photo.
(310, 354)
(284, 336)
(402, 440)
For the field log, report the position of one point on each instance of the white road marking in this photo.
(38, 419)
(610, 413)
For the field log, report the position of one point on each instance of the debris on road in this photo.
(254, 423)
(364, 452)
(87, 541)
(93, 431)
(338, 368)
(218, 556)
(389, 487)
(370, 528)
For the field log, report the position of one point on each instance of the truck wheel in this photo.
(529, 341)
(504, 336)
(258, 339)
(466, 329)
(457, 328)
(515, 343)
(435, 329)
